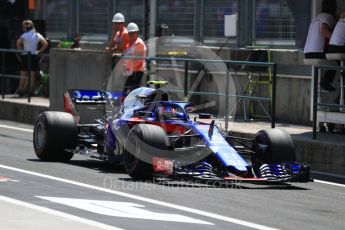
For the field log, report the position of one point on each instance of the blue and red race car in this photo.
(155, 137)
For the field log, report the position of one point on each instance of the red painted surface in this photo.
(161, 165)
(4, 179)
(233, 178)
(70, 108)
(169, 128)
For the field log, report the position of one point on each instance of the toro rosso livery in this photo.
(154, 137)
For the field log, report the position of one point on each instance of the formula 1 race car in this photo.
(154, 137)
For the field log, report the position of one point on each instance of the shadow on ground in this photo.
(103, 167)
(100, 166)
(216, 184)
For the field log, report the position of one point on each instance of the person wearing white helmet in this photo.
(134, 67)
(132, 27)
(119, 41)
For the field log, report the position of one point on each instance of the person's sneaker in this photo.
(327, 87)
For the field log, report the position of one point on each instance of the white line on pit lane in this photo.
(16, 128)
(329, 183)
(148, 200)
(57, 213)
(328, 174)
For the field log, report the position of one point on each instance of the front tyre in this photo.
(273, 146)
(143, 142)
(54, 132)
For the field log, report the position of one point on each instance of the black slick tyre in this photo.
(144, 141)
(273, 146)
(54, 132)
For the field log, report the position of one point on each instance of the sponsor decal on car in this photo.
(164, 166)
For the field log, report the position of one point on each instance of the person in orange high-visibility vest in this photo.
(134, 67)
(119, 41)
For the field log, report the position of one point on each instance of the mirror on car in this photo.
(190, 109)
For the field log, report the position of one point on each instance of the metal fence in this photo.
(186, 91)
(271, 21)
(271, 66)
(318, 68)
(274, 20)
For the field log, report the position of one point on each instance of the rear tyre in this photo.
(143, 142)
(53, 133)
(273, 146)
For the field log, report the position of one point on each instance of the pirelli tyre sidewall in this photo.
(54, 132)
(144, 141)
(273, 146)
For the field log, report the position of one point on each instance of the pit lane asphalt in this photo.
(302, 206)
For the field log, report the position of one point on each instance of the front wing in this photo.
(268, 174)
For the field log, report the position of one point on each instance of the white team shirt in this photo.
(31, 40)
(315, 40)
(338, 36)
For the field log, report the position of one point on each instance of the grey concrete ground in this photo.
(14, 217)
(304, 206)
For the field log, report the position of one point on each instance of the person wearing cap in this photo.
(119, 41)
(134, 67)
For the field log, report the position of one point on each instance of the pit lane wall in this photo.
(76, 69)
(21, 111)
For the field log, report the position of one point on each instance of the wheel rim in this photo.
(39, 135)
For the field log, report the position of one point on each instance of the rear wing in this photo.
(93, 96)
(75, 97)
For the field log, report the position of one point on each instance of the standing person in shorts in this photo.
(29, 41)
